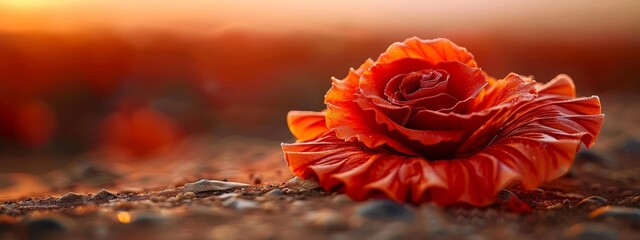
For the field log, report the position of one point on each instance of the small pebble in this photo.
(173, 199)
(298, 183)
(227, 195)
(71, 197)
(275, 193)
(240, 204)
(205, 185)
(103, 195)
(632, 214)
(385, 210)
(593, 200)
(556, 206)
(189, 195)
(341, 199)
(326, 219)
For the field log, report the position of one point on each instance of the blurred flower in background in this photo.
(137, 78)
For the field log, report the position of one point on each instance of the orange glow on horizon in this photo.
(568, 17)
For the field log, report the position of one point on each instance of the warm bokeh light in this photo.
(124, 217)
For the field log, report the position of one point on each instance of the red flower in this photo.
(424, 123)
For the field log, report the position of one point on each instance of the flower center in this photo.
(423, 83)
(424, 89)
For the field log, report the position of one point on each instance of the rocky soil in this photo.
(248, 193)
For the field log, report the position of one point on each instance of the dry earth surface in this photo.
(92, 198)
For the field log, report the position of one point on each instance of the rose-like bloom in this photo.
(424, 123)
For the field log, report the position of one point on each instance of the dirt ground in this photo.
(92, 198)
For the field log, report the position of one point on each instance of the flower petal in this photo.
(560, 85)
(433, 51)
(306, 125)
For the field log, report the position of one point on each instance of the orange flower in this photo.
(424, 123)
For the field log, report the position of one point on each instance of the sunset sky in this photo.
(592, 19)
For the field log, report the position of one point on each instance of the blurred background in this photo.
(137, 81)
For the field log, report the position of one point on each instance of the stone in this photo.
(556, 206)
(103, 195)
(631, 214)
(71, 197)
(205, 185)
(275, 193)
(326, 219)
(592, 200)
(590, 231)
(299, 183)
(385, 210)
(227, 196)
(189, 195)
(240, 204)
(341, 199)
